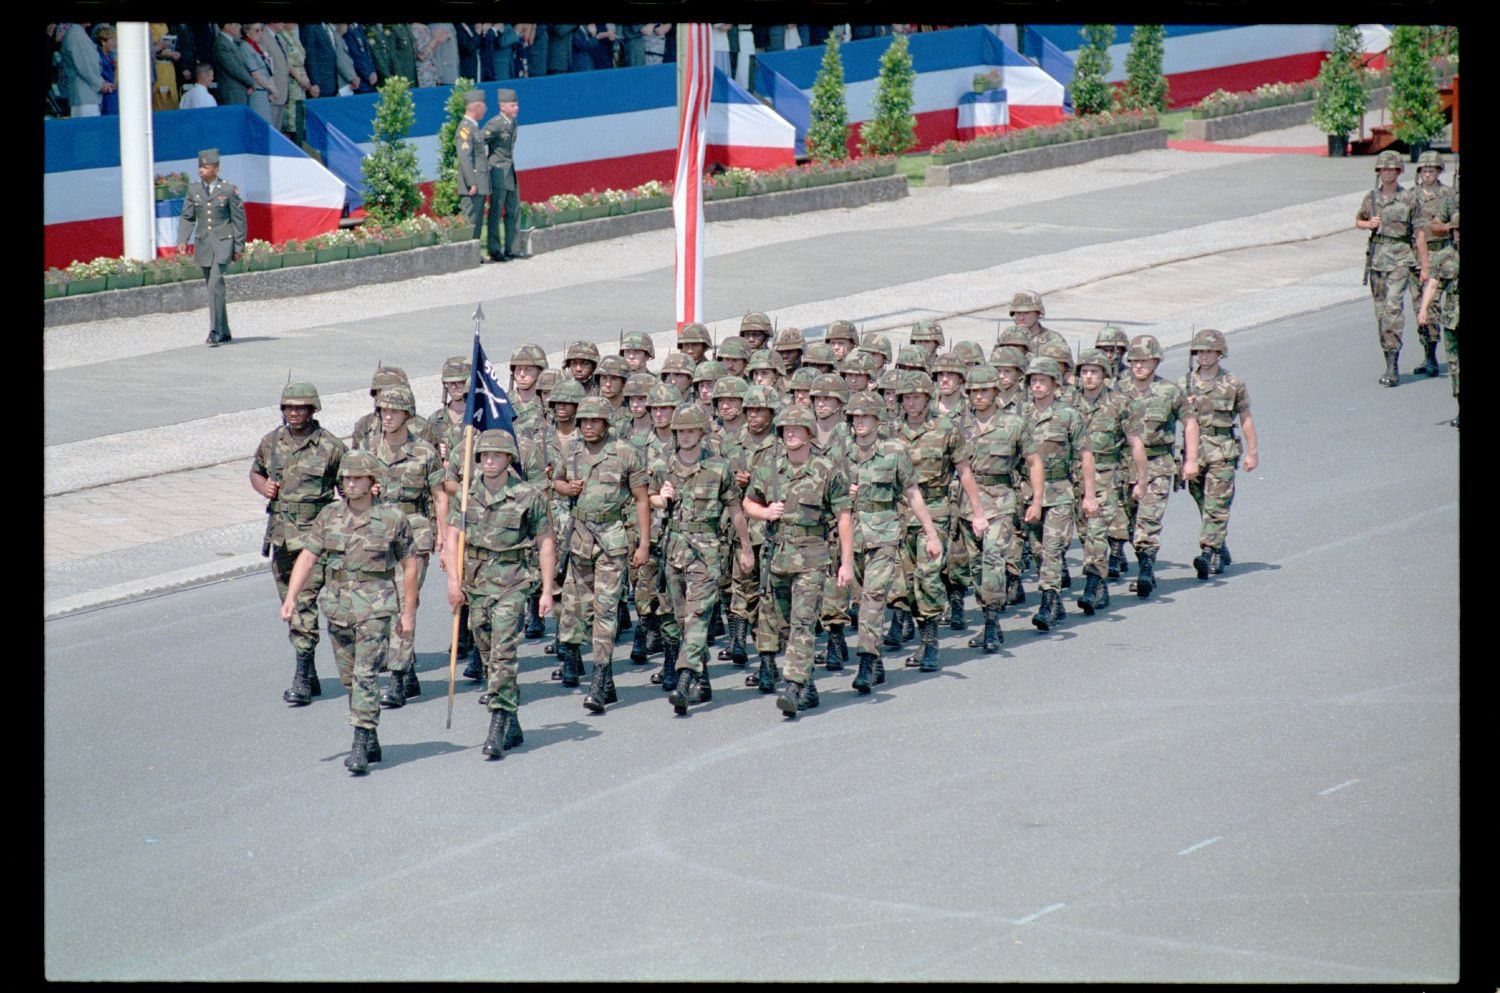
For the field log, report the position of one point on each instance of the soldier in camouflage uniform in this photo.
(695, 489)
(727, 441)
(1436, 205)
(1388, 212)
(913, 358)
(358, 543)
(789, 346)
(1027, 311)
(581, 362)
(879, 347)
(819, 357)
(637, 349)
(994, 437)
(705, 375)
(1052, 440)
(1011, 336)
(832, 440)
(677, 372)
(880, 474)
(411, 480)
(367, 429)
(765, 369)
(1114, 343)
(637, 388)
(527, 363)
(951, 374)
(693, 340)
(1106, 415)
(856, 372)
(1219, 396)
(1156, 405)
(734, 352)
(448, 425)
(606, 476)
(806, 496)
(612, 375)
(296, 468)
(651, 605)
(888, 385)
(758, 446)
(927, 335)
(545, 384)
(843, 338)
(799, 387)
(1009, 362)
(969, 353)
(560, 440)
(504, 528)
(756, 329)
(1440, 301)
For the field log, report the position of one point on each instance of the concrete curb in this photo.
(1267, 119)
(1046, 157)
(171, 582)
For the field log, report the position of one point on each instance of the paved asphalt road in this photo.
(1252, 779)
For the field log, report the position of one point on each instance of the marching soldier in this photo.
(879, 346)
(637, 388)
(1011, 336)
(1156, 405)
(799, 387)
(1027, 311)
(819, 357)
(969, 353)
(1440, 302)
(1388, 212)
(612, 374)
(1114, 343)
(367, 429)
(1436, 205)
(296, 468)
(359, 543)
(789, 345)
(637, 349)
(1009, 362)
(995, 449)
(560, 440)
(950, 371)
(677, 372)
(1219, 397)
(705, 375)
(734, 352)
(765, 369)
(832, 440)
(843, 338)
(755, 328)
(581, 359)
(655, 610)
(693, 339)
(1106, 415)
(757, 445)
(448, 425)
(927, 335)
(214, 215)
(726, 441)
(505, 535)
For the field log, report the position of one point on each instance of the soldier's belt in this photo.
(601, 517)
(934, 491)
(1153, 451)
(1056, 475)
(800, 534)
(1391, 239)
(996, 479)
(1217, 432)
(517, 553)
(695, 528)
(1105, 464)
(299, 513)
(876, 515)
(358, 575)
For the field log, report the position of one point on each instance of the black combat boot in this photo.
(854, 609)
(394, 696)
(866, 673)
(595, 700)
(715, 623)
(682, 694)
(314, 688)
(1089, 600)
(638, 653)
(807, 695)
(908, 627)
(372, 745)
(1145, 577)
(879, 670)
(409, 684)
(1431, 365)
(668, 672)
(493, 746)
(535, 626)
(556, 644)
(358, 761)
(787, 701)
(738, 653)
(1043, 616)
(990, 640)
(622, 619)
(1203, 562)
(1028, 560)
(1224, 561)
(1392, 369)
(610, 695)
(572, 667)
(1216, 561)
(929, 645)
(1101, 598)
(765, 678)
(512, 736)
(1118, 564)
(1015, 593)
(956, 620)
(1058, 610)
(838, 648)
(300, 693)
(654, 637)
(893, 636)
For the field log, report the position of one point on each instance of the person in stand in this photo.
(473, 163)
(214, 216)
(505, 195)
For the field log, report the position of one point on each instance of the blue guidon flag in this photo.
(488, 405)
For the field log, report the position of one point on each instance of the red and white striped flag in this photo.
(695, 55)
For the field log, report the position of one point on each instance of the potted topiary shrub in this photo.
(1341, 99)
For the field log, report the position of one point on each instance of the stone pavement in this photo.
(168, 505)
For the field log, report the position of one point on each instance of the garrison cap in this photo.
(505, 96)
(208, 156)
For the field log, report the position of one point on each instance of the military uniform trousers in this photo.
(1097, 531)
(598, 561)
(929, 592)
(693, 569)
(360, 649)
(957, 575)
(833, 599)
(787, 615)
(1450, 346)
(473, 211)
(403, 654)
(744, 588)
(646, 579)
(1213, 492)
(1146, 514)
(508, 200)
(989, 554)
(1387, 290)
(496, 620)
(878, 571)
(1050, 537)
(303, 633)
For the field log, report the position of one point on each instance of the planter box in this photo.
(720, 193)
(460, 233)
(126, 281)
(1265, 119)
(290, 259)
(401, 243)
(567, 216)
(333, 253)
(90, 284)
(159, 277)
(188, 269)
(651, 203)
(593, 211)
(261, 263)
(364, 250)
(798, 182)
(50, 290)
(776, 185)
(1046, 157)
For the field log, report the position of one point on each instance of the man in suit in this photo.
(281, 74)
(214, 215)
(500, 137)
(473, 163)
(83, 83)
(235, 84)
(321, 66)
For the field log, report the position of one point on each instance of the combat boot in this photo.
(1015, 593)
(765, 678)
(1215, 561)
(1224, 560)
(409, 684)
(1089, 600)
(314, 688)
(992, 638)
(1058, 610)
(929, 645)
(535, 627)
(610, 696)
(1118, 564)
(1028, 560)
(572, 667)
(493, 741)
(475, 669)
(682, 694)
(300, 693)
(854, 611)
(838, 648)
(654, 636)
(1145, 577)
(956, 620)
(358, 761)
(555, 646)
(787, 701)
(512, 736)
(807, 695)
(738, 654)
(668, 672)
(893, 636)
(1043, 616)
(622, 619)
(1431, 365)
(598, 688)
(372, 746)
(1392, 370)
(908, 627)
(1101, 599)
(638, 653)
(394, 696)
(865, 674)
(879, 670)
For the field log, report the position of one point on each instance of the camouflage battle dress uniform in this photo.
(1155, 409)
(1435, 202)
(1054, 436)
(1218, 401)
(652, 605)
(1390, 261)
(746, 602)
(1444, 309)
(1104, 534)
(307, 469)
(994, 454)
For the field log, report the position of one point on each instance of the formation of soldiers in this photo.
(777, 488)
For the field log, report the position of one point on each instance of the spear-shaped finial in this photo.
(478, 317)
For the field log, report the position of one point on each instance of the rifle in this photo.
(1370, 244)
(768, 545)
(271, 504)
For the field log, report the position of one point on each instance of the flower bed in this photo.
(1061, 147)
(1074, 129)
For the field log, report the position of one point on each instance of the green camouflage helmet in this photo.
(1145, 346)
(613, 365)
(1044, 366)
(983, 377)
(594, 407)
(766, 359)
(359, 463)
(1027, 300)
(529, 355)
(388, 375)
(710, 371)
(831, 384)
(1058, 351)
(755, 321)
(300, 394)
(639, 384)
(859, 361)
(497, 440)
(733, 347)
(915, 381)
(693, 334)
(1430, 158)
(457, 369)
(803, 379)
(927, 331)
(789, 339)
(1389, 160)
(396, 398)
(547, 381)
(1008, 356)
(730, 388)
(582, 350)
(663, 395)
(566, 391)
(912, 357)
(762, 396)
(879, 344)
(1209, 340)
(1110, 336)
(690, 418)
(842, 331)
(796, 415)
(969, 353)
(865, 402)
(949, 362)
(1094, 356)
(678, 362)
(819, 353)
(640, 341)
(889, 380)
(1014, 335)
